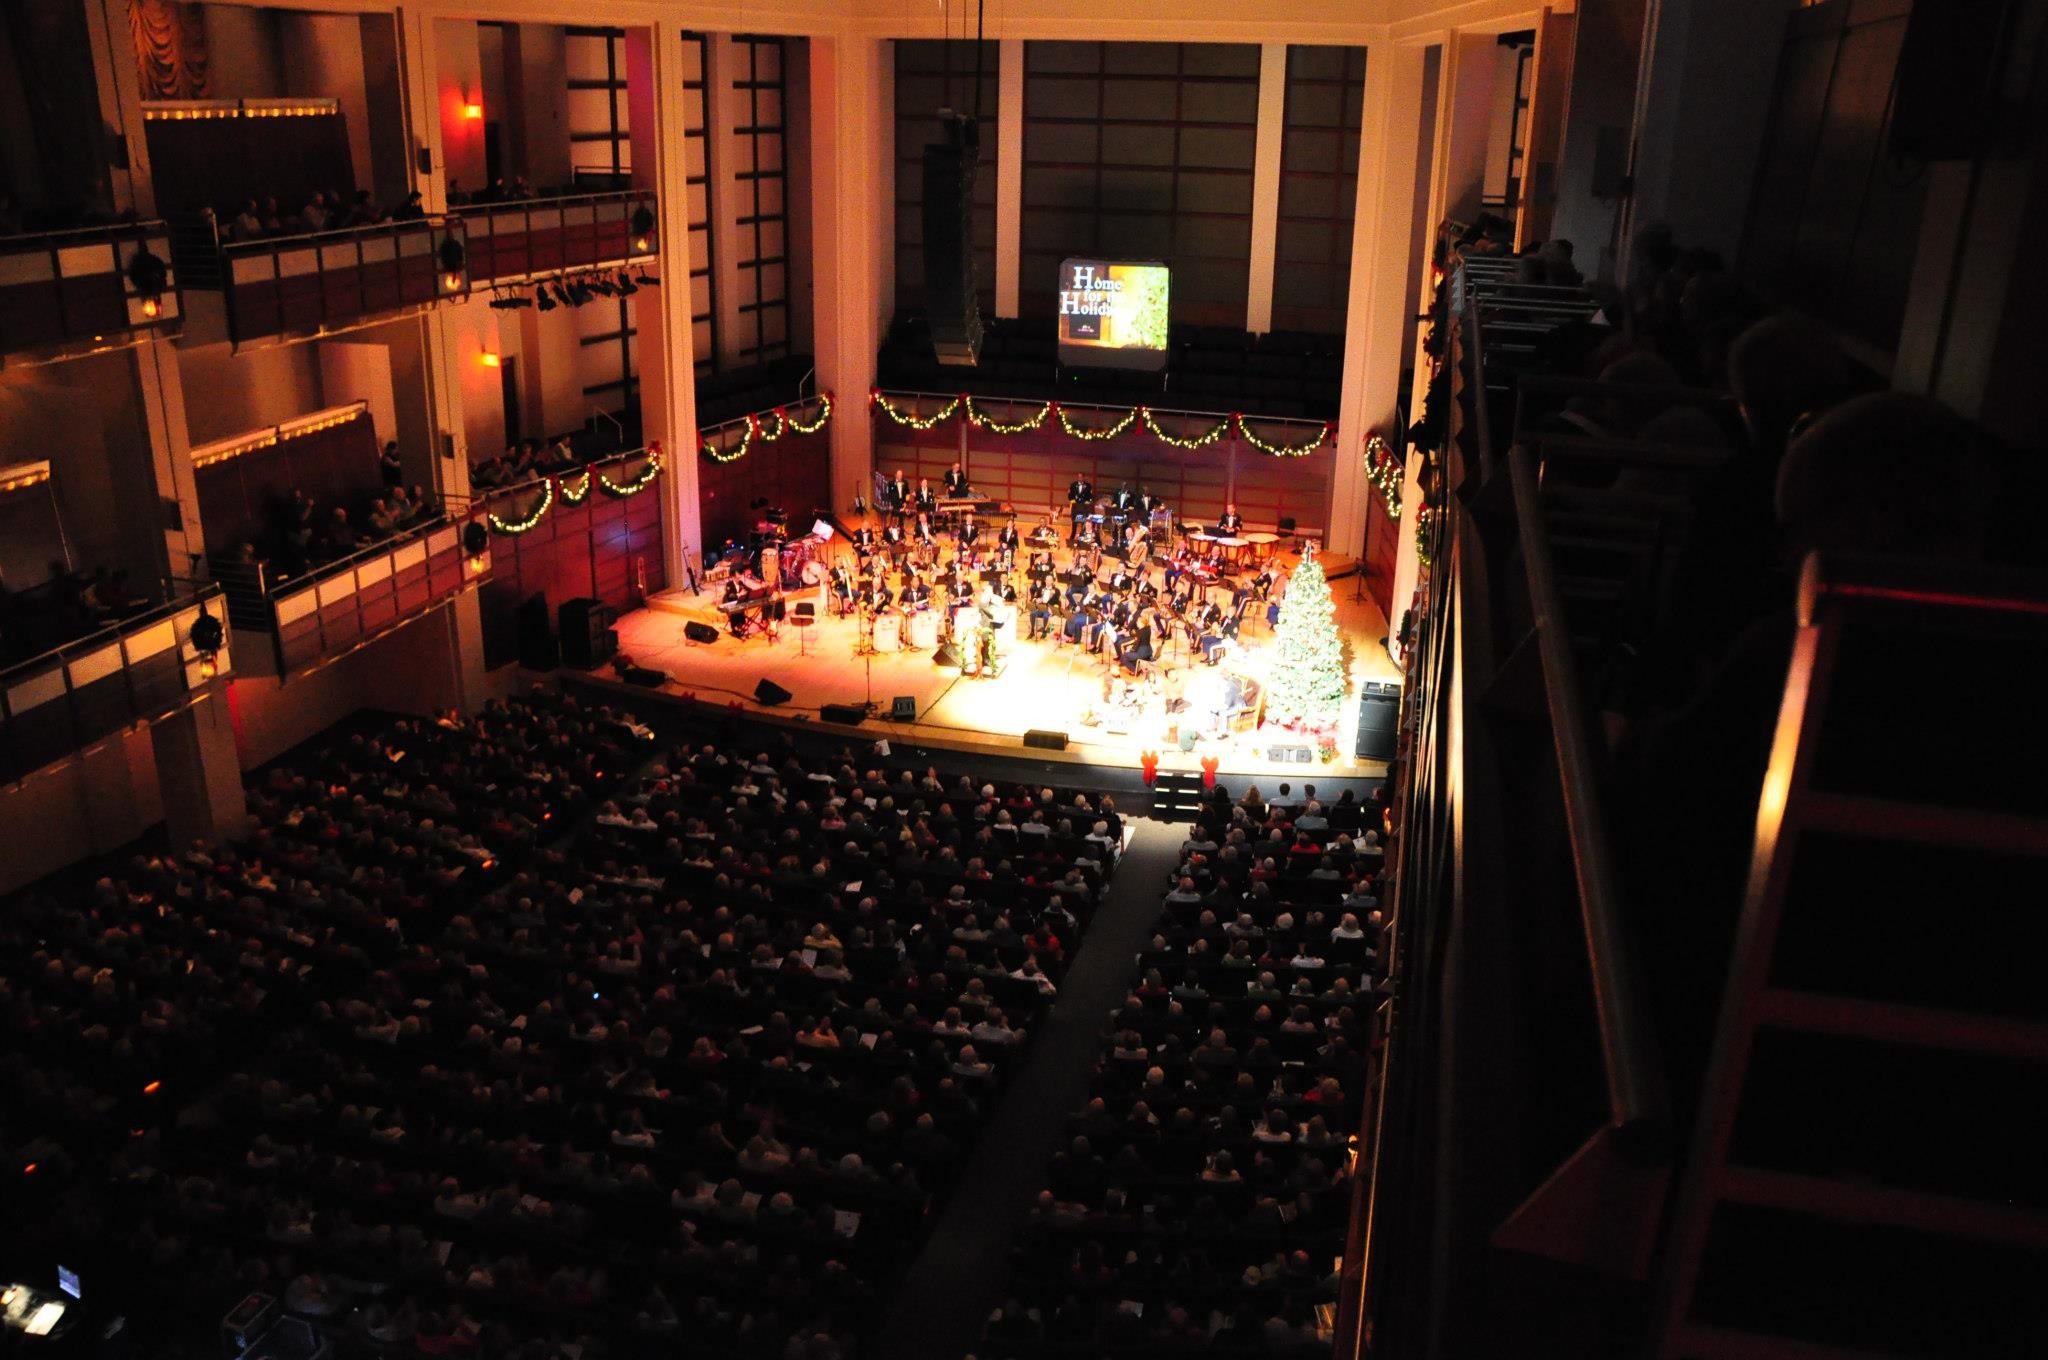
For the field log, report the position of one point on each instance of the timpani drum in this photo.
(888, 632)
(923, 630)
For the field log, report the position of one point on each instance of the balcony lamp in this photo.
(472, 110)
(491, 360)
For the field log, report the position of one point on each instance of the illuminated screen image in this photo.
(1113, 313)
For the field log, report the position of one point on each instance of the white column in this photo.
(851, 131)
(1009, 174)
(726, 156)
(1258, 313)
(1382, 240)
(656, 69)
(120, 100)
(422, 107)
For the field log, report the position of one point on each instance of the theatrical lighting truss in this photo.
(506, 301)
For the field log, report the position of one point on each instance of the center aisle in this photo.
(958, 1279)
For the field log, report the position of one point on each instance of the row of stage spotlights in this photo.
(576, 289)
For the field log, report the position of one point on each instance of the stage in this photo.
(1042, 686)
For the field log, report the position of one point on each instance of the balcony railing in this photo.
(518, 238)
(336, 607)
(138, 670)
(332, 280)
(81, 289)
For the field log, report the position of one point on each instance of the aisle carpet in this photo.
(960, 1275)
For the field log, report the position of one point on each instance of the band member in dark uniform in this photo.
(925, 502)
(1009, 538)
(1209, 631)
(956, 482)
(893, 534)
(1045, 603)
(916, 595)
(899, 492)
(963, 589)
(1080, 497)
(1123, 502)
(875, 598)
(970, 531)
(1147, 502)
(842, 587)
(1231, 522)
(1041, 566)
(863, 543)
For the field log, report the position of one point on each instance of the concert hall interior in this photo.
(858, 680)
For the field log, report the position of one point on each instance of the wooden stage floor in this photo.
(1041, 686)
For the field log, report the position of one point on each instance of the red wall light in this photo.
(490, 360)
(472, 110)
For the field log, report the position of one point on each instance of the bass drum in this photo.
(924, 630)
(888, 632)
(814, 573)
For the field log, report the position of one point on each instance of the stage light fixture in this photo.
(624, 283)
(648, 280)
(540, 296)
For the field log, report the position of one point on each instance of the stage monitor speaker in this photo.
(768, 692)
(1047, 741)
(903, 708)
(843, 713)
(644, 676)
(537, 648)
(950, 297)
(946, 655)
(1379, 717)
(700, 632)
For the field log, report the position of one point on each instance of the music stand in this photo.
(806, 614)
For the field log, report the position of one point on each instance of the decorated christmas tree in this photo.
(1308, 661)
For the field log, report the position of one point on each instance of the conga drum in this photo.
(888, 632)
(924, 630)
(771, 565)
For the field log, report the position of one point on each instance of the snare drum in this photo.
(888, 632)
(924, 630)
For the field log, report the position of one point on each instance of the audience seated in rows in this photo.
(483, 1043)
(1204, 1194)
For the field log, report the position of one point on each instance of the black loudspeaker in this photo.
(1379, 718)
(903, 708)
(949, 292)
(1050, 741)
(537, 649)
(946, 655)
(768, 692)
(644, 676)
(843, 713)
(700, 632)
(587, 639)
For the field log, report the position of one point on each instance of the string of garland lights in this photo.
(1425, 534)
(1197, 441)
(514, 527)
(1383, 469)
(964, 406)
(1244, 432)
(648, 473)
(571, 493)
(980, 421)
(784, 423)
(911, 421)
(1099, 435)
